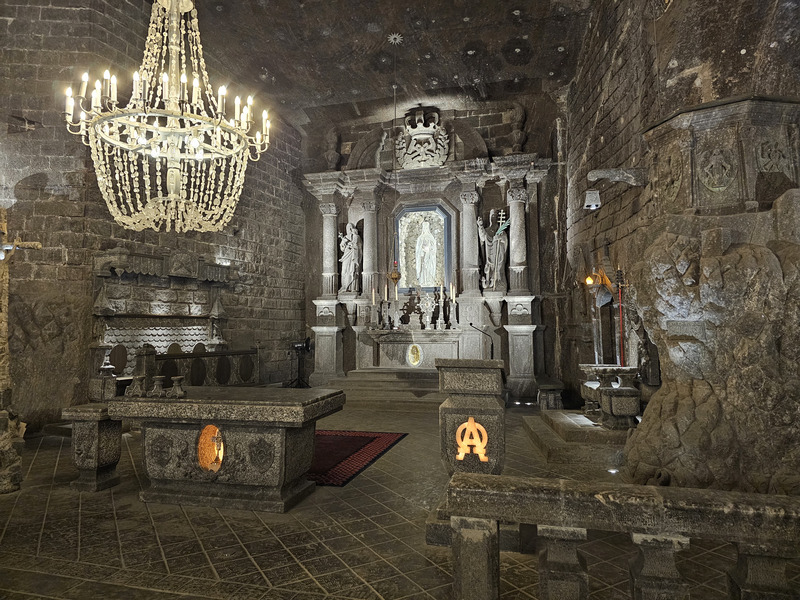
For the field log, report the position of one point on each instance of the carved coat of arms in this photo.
(424, 142)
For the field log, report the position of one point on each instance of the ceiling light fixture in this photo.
(172, 159)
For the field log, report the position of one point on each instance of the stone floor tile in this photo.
(395, 588)
(375, 571)
(337, 582)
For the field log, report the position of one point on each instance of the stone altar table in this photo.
(242, 448)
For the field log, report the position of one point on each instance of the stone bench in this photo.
(96, 446)
(660, 521)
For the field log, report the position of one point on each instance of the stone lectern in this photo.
(472, 419)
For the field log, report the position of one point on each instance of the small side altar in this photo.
(243, 448)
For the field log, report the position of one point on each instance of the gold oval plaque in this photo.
(414, 355)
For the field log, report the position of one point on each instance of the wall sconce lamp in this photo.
(592, 200)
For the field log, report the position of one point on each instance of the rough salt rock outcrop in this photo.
(726, 320)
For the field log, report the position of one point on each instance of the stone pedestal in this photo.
(472, 419)
(521, 377)
(328, 352)
(654, 574)
(611, 391)
(263, 437)
(96, 446)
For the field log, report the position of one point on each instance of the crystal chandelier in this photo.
(172, 159)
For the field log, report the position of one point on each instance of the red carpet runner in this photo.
(341, 455)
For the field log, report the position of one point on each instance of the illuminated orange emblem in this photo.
(472, 434)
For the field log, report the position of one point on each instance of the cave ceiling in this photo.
(317, 62)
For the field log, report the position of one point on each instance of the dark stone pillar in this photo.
(562, 571)
(653, 572)
(476, 559)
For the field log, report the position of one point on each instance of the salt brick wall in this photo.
(47, 180)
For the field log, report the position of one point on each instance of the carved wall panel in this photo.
(717, 169)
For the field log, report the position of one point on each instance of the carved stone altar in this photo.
(247, 448)
(455, 234)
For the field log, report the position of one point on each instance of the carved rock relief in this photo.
(727, 329)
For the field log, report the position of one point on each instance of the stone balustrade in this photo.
(660, 521)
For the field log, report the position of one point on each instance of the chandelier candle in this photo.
(162, 162)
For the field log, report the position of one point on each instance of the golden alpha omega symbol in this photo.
(471, 434)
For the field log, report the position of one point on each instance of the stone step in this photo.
(394, 401)
(391, 389)
(556, 450)
(574, 426)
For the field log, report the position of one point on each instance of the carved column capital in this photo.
(329, 208)
(469, 198)
(517, 194)
(370, 206)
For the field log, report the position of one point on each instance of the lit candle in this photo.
(136, 88)
(237, 108)
(96, 96)
(386, 291)
(258, 137)
(113, 88)
(441, 290)
(165, 85)
(184, 87)
(395, 291)
(265, 120)
(106, 83)
(196, 91)
(373, 296)
(221, 100)
(452, 291)
(69, 97)
(83, 123)
(245, 114)
(266, 137)
(84, 83)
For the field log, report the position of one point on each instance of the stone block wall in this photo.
(47, 181)
(665, 88)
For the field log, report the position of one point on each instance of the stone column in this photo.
(369, 272)
(562, 571)
(654, 574)
(476, 559)
(470, 266)
(330, 271)
(760, 573)
(517, 198)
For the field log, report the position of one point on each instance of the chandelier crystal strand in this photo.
(171, 159)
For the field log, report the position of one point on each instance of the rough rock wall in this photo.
(725, 318)
(716, 293)
(46, 179)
